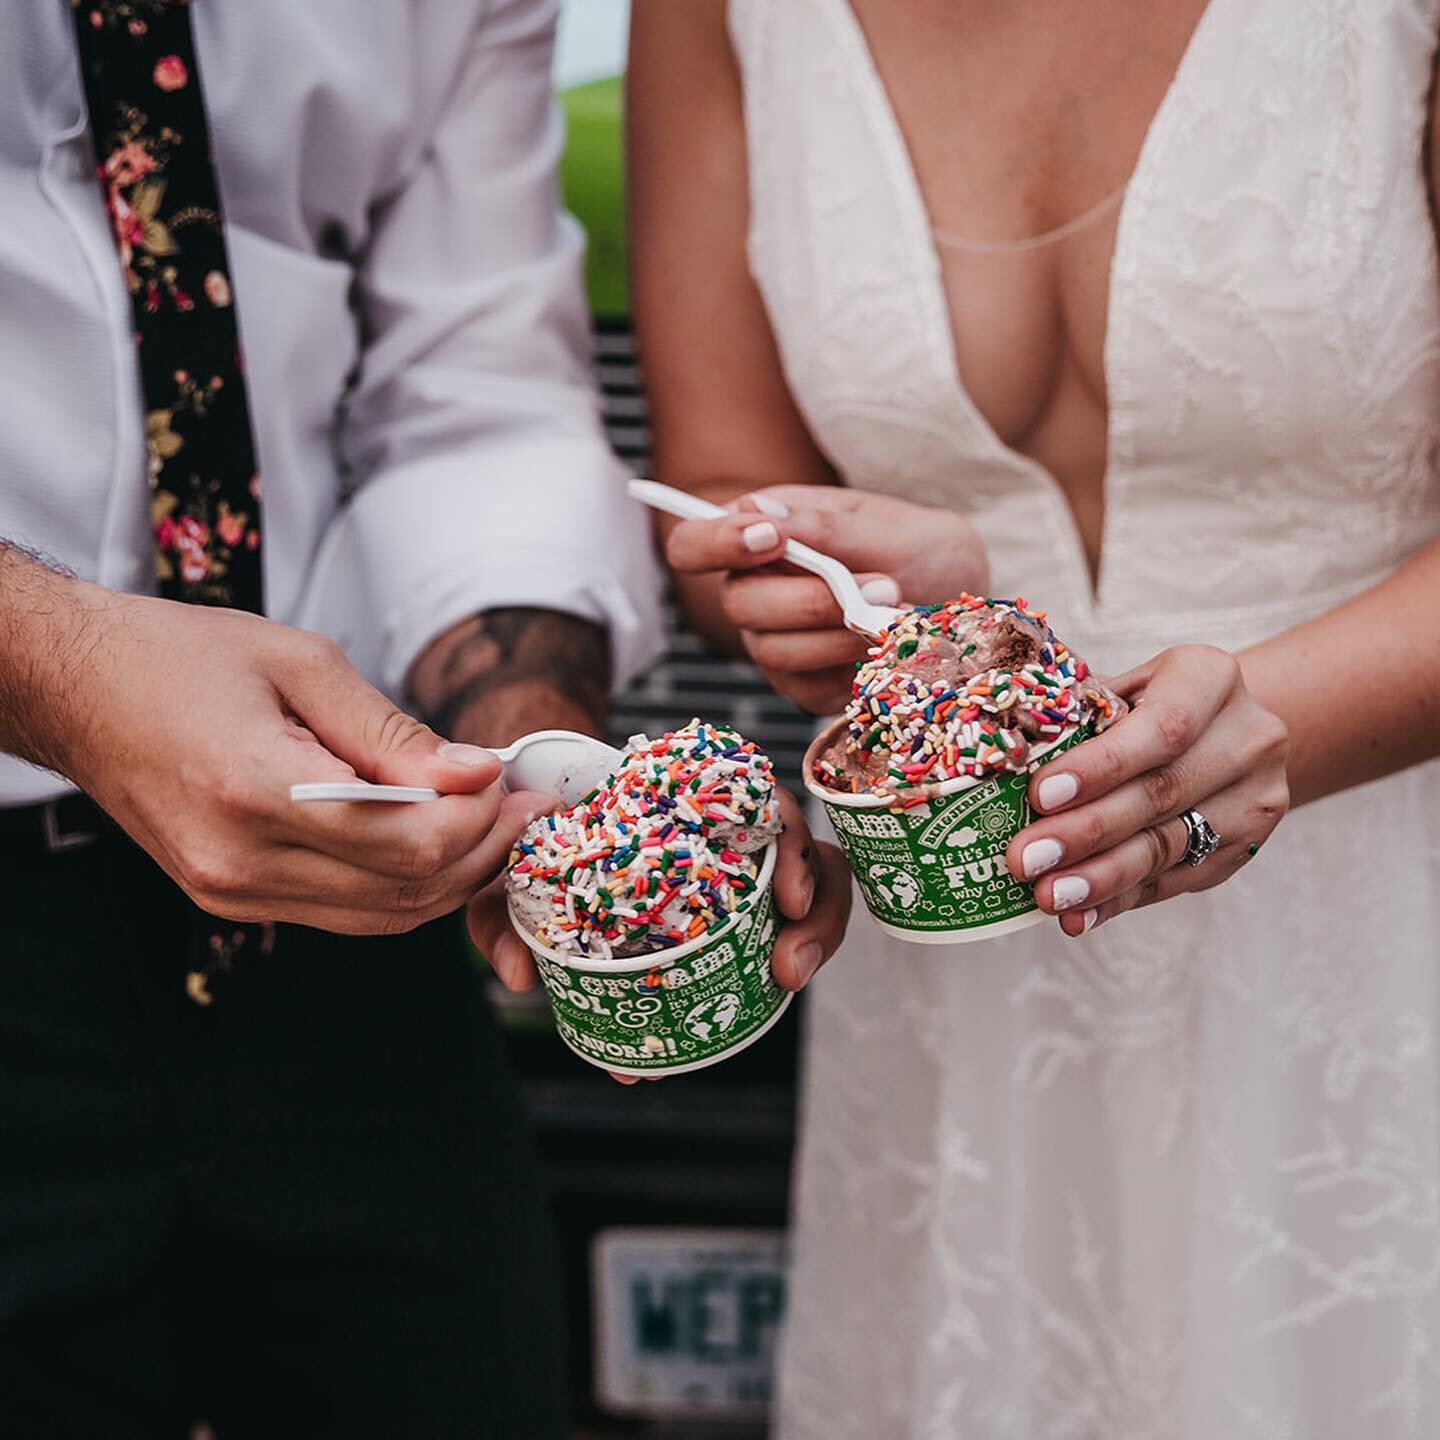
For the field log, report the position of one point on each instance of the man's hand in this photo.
(190, 724)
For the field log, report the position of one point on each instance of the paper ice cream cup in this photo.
(673, 1010)
(934, 873)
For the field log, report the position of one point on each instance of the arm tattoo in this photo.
(513, 649)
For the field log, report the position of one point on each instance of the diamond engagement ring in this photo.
(1202, 841)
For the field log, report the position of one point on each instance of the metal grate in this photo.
(689, 680)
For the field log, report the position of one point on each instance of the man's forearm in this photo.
(46, 630)
(1360, 685)
(508, 671)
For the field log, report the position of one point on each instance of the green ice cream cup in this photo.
(672, 1010)
(935, 873)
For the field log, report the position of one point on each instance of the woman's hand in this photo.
(812, 893)
(1112, 838)
(789, 622)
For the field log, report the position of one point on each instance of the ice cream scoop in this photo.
(662, 852)
(973, 687)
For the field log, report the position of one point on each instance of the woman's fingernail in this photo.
(881, 591)
(768, 506)
(762, 536)
(1088, 919)
(468, 755)
(1039, 856)
(1069, 891)
(806, 961)
(1057, 790)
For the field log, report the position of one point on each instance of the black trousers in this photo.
(308, 1209)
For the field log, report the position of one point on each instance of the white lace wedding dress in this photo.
(1179, 1180)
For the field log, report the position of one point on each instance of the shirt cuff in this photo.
(543, 523)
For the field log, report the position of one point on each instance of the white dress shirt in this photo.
(410, 307)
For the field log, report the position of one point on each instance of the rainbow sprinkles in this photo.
(659, 855)
(972, 687)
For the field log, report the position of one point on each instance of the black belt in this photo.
(72, 822)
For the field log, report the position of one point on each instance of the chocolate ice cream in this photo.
(969, 688)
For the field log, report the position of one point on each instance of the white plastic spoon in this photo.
(562, 763)
(860, 615)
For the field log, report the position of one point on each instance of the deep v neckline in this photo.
(940, 325)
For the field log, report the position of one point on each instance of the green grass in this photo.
(592, 177)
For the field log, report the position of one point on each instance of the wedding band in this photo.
(1202, 841)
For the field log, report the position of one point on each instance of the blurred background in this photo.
(671, 1198)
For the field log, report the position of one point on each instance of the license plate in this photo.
(685, 1320)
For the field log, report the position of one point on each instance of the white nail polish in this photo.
(767, 505)
(1088, 919)
(763, 536)
(881, 591)
(1069, 891)
(1057, 790)
(1039, 856)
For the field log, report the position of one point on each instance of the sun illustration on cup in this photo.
(896, 886)
(714, 1017)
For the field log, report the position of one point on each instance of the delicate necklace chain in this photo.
(1035, 242)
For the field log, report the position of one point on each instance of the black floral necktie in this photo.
(152, 144)
(152, 147)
